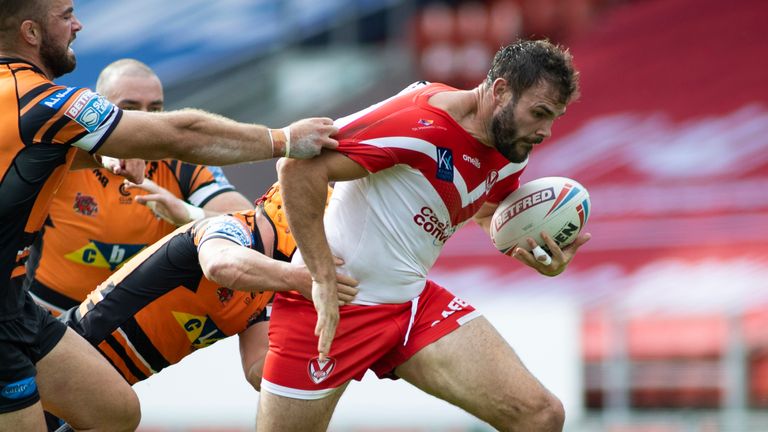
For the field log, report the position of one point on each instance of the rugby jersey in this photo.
(41, 123)
(428, 177)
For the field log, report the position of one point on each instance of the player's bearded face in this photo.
(58, 58)
(504, 129)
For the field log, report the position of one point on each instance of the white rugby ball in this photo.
(557, 205)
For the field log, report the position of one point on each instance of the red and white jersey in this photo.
(428, 177)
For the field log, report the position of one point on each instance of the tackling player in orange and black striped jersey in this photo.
(41, 127)
(40, 124)
(202, 283)
(96, 222)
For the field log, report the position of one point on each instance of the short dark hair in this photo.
(14, 13)
(526, 63)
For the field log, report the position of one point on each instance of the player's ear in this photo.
(501, 91)
(31, 32)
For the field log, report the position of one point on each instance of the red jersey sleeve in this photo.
(369, 156)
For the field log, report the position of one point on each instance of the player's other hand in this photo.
(325, 298)
(162, 202)
(560, 258)
(346, 286)
(309, 136)
(131, 169)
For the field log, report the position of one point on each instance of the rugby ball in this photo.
(557, 205)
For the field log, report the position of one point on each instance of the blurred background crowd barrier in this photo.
(660, 323)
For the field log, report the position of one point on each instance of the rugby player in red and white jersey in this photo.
(412, 170)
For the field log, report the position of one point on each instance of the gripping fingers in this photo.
(541, 256)
(147, 185)
(346, 293)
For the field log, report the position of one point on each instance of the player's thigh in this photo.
(77, 384)
(474, 368)
(28, 419)
(282, 414)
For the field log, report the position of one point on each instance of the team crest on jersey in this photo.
(444, 164)
(490, 180)
(225, 294)
(201, 330)
(319, 370)
(85, 205)
(104, 255)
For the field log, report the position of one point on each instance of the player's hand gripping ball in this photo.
(557, 205)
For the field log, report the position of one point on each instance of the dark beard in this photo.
(504, 131)
(59, 62)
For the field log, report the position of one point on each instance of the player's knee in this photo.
(550, 415)
(544, 412)
(540, 412)
(127, 414)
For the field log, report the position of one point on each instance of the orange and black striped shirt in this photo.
(94, 226)
(159, 307)
(41, 124)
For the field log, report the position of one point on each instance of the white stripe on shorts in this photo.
(295, 393)
(469, 317)
(414, 308)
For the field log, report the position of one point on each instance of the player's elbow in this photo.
(293, 168)
(220, 267)
(291, 172)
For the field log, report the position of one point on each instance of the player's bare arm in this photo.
(304, 185)
(560, 257)
(199, 137)
(237, 267)
(484, 215)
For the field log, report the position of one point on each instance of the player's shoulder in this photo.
(238, 226)
(418, 85)
(425, 87)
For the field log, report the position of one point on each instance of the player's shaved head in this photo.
(120, 68)
(14, 12)
(131, 85)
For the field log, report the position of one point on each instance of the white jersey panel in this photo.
(388, 248)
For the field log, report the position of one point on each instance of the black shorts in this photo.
(23, 342)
